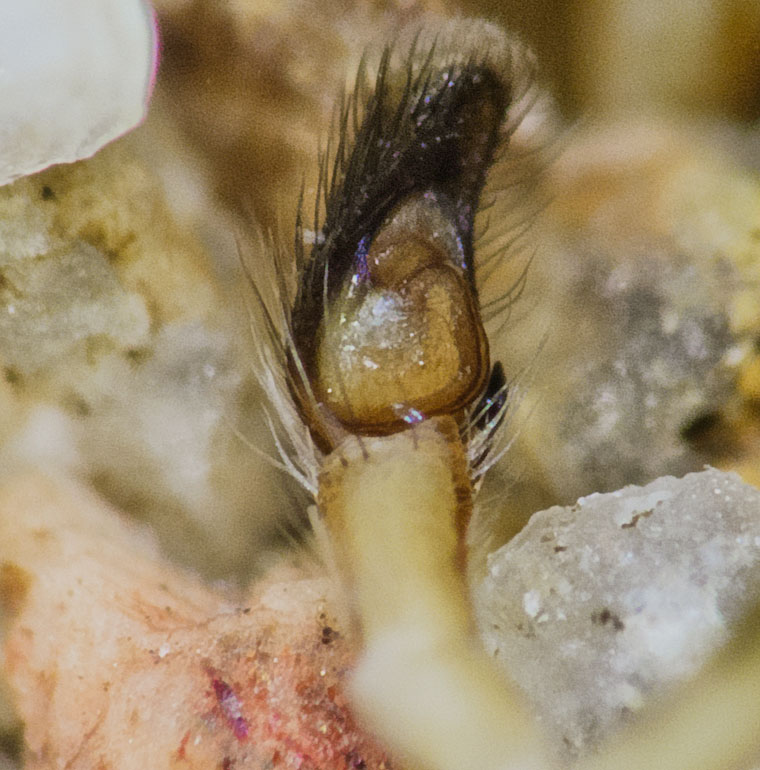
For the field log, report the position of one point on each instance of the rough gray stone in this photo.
(594, 608)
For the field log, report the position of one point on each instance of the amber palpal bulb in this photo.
(386, 323)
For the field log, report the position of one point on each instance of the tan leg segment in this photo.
(396, 507)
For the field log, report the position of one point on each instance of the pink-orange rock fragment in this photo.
(117, 660)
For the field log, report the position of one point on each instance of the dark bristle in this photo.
(489, 412)
(416, 131)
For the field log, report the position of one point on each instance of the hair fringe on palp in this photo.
(360, 177)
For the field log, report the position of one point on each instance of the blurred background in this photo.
(638, 176)
(258, 69)
(634, 349)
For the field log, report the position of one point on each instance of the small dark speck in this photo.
(559, 548)
(528, 633)
(635, 520)
(606, 617)
(328, 634)
(698, 429)
(12, 375)
(12, 744)
(246, 610)
(47, 193)
(80, 407)
(137, 355)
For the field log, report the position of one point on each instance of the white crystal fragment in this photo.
(532, 603)
(594, 609)
(74, 74)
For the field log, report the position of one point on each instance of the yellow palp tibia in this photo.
(396, 507)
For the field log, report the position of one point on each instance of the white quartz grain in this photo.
(595, 608)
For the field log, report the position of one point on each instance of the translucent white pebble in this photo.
(74, 74)
(597, 608)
